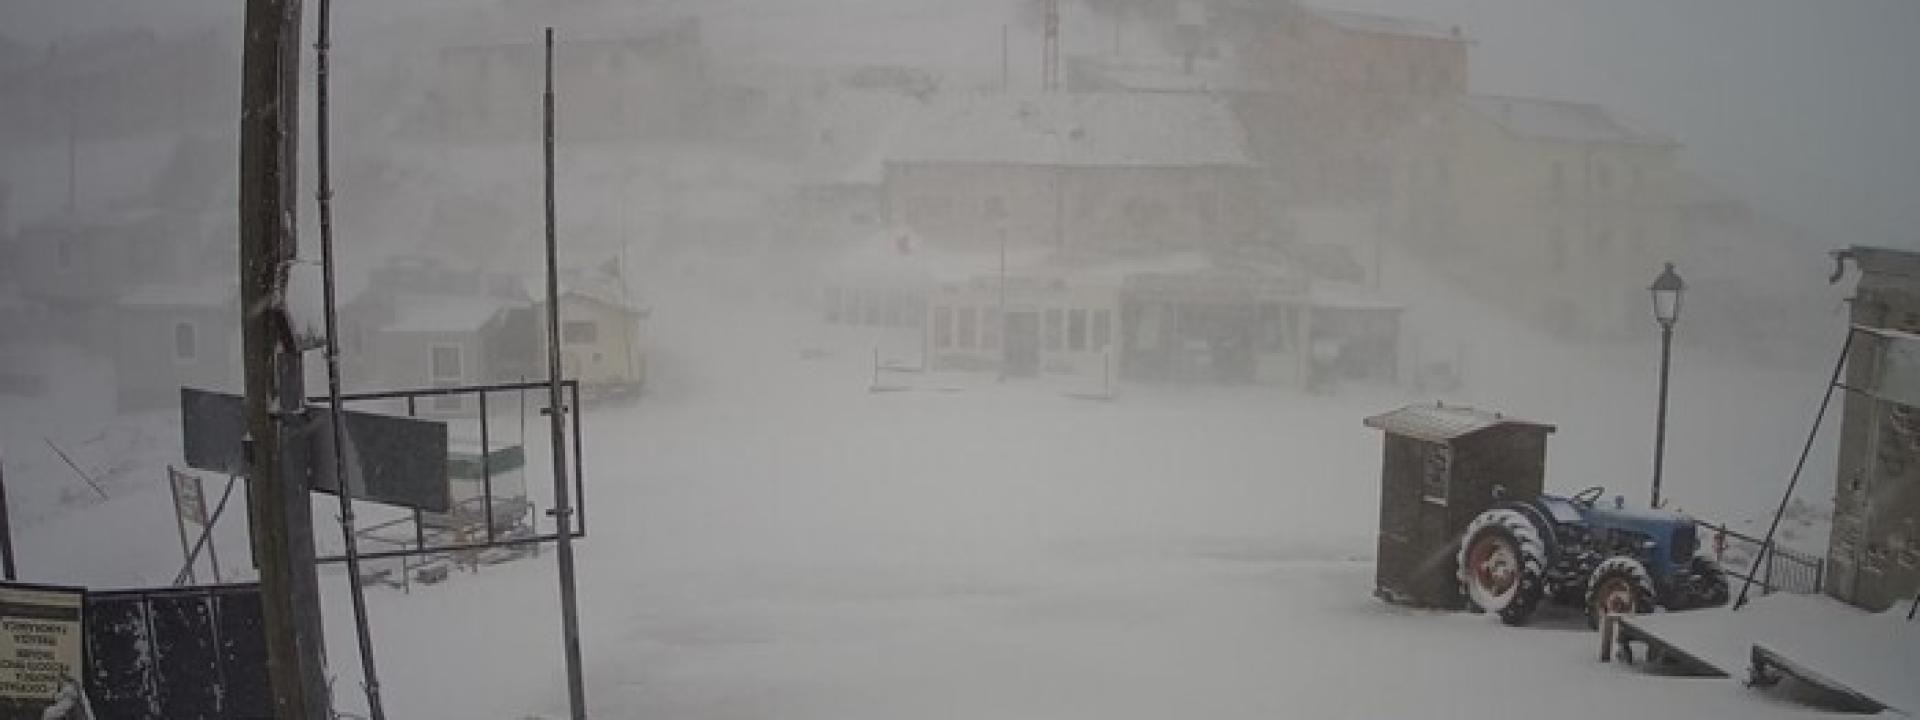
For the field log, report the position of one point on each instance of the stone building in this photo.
(1569, 208)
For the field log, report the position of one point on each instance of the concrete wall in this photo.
(1874, 554)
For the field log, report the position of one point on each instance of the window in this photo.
(1053, 330)
(1077, 330)
(1102, 329)
(969, 318)
(578, 332)
(186, 342)
(943, 327)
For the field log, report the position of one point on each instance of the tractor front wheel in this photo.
(1619, 586)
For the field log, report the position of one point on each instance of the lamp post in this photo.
(1667, 290)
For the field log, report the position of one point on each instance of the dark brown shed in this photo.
(1442, 466)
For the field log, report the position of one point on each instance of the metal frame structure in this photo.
(493, 539)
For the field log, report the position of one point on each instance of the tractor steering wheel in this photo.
(1589, 496)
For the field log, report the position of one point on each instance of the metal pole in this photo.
(486, 466)
(280, 510)
(1005, 345)
(6, 526)
(1833, 383)
(323, 47)
(1660, 431)
(562, 508)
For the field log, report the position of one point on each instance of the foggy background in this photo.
(808, 509)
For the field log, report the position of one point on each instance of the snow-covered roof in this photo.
(1560, 120)
(425, 312)
(1075, 129)
(1443, 423)
(1387, 25)
(203, 295)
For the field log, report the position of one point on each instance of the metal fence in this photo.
(477, 528)
(1781, 569)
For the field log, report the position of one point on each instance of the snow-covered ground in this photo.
(768, 538)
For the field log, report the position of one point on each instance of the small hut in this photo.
(1443, 465)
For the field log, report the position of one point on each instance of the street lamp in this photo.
(1667, 290)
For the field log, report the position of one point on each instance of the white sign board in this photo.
(41, 641)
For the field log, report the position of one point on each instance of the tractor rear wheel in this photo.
(1501, 565)
(1618, 586)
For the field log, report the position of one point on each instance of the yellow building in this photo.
(1557, 210)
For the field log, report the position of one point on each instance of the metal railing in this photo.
(428, 537)
(1781, 569)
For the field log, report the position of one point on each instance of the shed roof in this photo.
(1074, 129)
(1561, 121)
(424, 312)
(1444, 423)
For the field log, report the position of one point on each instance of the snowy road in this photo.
(770, 540)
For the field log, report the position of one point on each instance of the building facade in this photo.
(1571, 210)
(1083, 172)
(1335, 85)
(1873, 557)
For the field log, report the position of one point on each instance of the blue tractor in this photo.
(1607, 560)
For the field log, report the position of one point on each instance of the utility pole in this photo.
(6, 526)
(278, 507)
(562, 506)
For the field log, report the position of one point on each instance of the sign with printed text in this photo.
(189, 499)
(41, 637)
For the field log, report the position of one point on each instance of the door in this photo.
(1022, 346)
